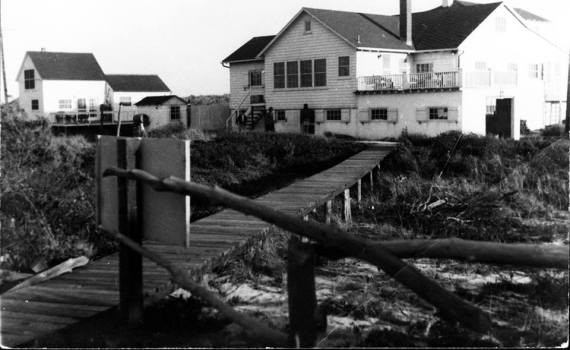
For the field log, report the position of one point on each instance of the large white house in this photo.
(58, 84)
(461, 66)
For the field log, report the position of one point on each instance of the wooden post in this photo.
(359, 191)
(328, 211)
(371, 181)
(302, 295)
(347, 214)
(130, 262)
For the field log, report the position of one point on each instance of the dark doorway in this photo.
(500, 123)
(307, 120)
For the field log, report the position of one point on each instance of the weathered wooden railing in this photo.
(412, 81)
(129, 226)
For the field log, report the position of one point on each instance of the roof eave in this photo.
(245, 61)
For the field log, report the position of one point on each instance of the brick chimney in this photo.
(406, 21)
(447, 3)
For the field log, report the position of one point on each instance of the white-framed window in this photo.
(292, 74)
(280, 115)
(307, 73)
(307, 26)
(379, 114)
(480, 65)
(321, 72)
(535, 71)
(174, 112)
(424, 67)
(64, 104)
(279, 75)
(35, 105)
(344, 66)
(125, 100)
(490, 105)
(501, 24)
(92, 105)
(81, 105)
(334, 114)
(438, 113)
(255, 78)
(29, 79)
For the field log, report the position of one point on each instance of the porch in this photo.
(393, 83)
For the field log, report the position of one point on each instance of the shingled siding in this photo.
(239, 81)
(295, 45)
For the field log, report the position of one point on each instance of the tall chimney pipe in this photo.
(406, 21)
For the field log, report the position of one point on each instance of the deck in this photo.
(39, 310)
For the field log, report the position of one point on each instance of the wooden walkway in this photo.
(37, 311)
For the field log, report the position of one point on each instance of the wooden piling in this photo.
(359, 191)
(130, 262)
(347, 214)
(328, 211)
(302, 294)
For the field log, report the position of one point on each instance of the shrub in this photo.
(553, 131)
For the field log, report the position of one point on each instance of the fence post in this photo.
(347, 214)
(130, 262)
(302, 294)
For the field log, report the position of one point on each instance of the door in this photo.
(308, 121)
(500, 123)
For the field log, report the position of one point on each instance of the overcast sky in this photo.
(183, 41)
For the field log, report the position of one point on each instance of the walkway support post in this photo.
(302, 294)
(371, 175)
(359, 191)
(130, 262)
(347, 214)
(328, 211)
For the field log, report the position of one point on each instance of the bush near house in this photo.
(48, 202)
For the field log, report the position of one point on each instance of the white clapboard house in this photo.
(477, 68)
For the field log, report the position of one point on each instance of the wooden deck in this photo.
(40, 310)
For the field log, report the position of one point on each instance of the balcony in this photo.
(93, 117)
(410, 82)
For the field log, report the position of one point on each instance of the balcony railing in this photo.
(413, 81)
(84, 117)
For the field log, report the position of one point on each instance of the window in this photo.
(279, 75)
(424, 68)
(174, 112)
(334, 114)
(125, 100)
(501, 24)
(280, 115)
(256, 99)
(534, 71)
(292, 74)
(386, 61)
(437, 113)
(307, 73)
(92, 106)
(64, 104)
(379, 114)
(81, 105)
(321, 72)
(29, 79)
(512, 67)
(307, 26)
(255, 78)
(344, 66)
(490, 105)
(35, 105)
(480, 65)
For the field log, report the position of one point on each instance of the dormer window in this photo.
(307, 26)
(29, 79)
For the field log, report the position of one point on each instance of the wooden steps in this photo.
(39, 310)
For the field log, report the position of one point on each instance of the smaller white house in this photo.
(52, 82)
(127, 89)
(163, 110)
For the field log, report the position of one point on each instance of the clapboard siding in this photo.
(295, 45)
(239, 82)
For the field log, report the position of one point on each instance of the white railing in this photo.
(413, 81)
(81, 117)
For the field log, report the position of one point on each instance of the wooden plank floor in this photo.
(39, 310)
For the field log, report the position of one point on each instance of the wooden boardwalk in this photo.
(40, 310)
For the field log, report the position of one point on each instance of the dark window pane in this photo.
(174, 112)
(255, 78)
(35, 105)
(29, 79)
(379, 114)
(306, 73)
(333, 114)
(279, 75)
(292, 74)
(321, 72)
(344, 66)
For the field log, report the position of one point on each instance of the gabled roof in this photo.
(136, 83)
(529, 15)
(66, 66)
(157, 100)
(249, 50)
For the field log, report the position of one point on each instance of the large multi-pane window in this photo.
(65, 104)
(279, 75)
(174, 112)
(35, 105)
(344, 66)
(424, 67)
(438, 113)
(255, 78)
(292, 74)
(29, 79)
(81, 105)
(307, 73)
(321, 72)
(379, 114)
(334, 114)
